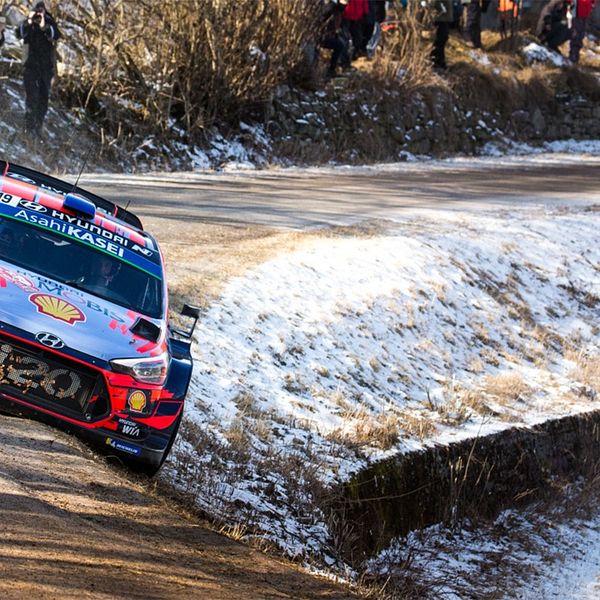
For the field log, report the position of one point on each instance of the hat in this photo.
(39, 6)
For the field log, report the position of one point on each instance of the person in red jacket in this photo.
(583, 10)
(355, 14)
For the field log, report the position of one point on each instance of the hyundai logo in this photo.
(35, 206)
(50, 340)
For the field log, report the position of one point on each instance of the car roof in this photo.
(50, 191)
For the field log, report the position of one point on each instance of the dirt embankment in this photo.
(73, 527)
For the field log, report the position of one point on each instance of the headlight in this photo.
(144, 370)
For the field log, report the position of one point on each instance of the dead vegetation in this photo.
(587, 369)
(404, 60)
(506, 388)
(194, 62)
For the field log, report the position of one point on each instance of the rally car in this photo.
(84, 331)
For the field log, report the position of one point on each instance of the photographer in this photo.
(38, 32)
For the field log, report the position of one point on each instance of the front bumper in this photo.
(149, 449)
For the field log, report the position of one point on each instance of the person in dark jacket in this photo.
(332, 37)
(583, 12)
(2, 27)
(372, 26)
(39, 32)
(353, 21)
(442, 17)
(553, 29)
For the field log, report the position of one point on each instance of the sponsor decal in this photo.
(50, 340)
(21, 281)
(57, 308)
(137, 401)
(129, 428)
(104, 235)
(42, 378)
(35, 206)
(86, 231)
(77, 231)
(123, 446)
(57, 289)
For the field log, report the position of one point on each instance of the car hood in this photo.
(82, 321)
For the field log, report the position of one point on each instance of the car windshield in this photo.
(68, 261)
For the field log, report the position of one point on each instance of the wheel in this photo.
(152, 469)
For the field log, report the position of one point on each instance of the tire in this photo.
(151, 468)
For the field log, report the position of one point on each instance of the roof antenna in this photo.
(83, 164)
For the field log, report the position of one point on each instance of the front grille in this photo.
(51, 381)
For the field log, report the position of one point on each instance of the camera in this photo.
(37, 17)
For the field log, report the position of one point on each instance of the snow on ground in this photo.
(561, 152)
(536, 53)
(318, 362)
(558, 559)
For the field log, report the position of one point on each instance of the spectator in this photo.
(507, 17)
(333, 38)
(443, 16)
(583, 10)
(552, 28)
(354, 18)
(2, 28)
(474, 10)
(38, 32)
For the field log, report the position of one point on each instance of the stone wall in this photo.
(477, 477)
(338, 125)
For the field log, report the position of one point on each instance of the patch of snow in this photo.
(520, 555)
(536, 53)
(480, 57)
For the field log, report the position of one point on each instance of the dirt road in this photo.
(74, 527)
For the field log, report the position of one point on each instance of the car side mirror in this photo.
(192, 312)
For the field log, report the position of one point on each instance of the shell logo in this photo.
(57, 308)
(137, 401)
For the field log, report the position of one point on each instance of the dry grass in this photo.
(416, 426)
(238, 437)
(506, 388)
(587, 370)
(367, 430)
(248, 406)
(476, 365)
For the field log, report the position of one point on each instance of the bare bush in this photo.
(405, 60)
(188, 60)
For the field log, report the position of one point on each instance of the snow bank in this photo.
(318, 362)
